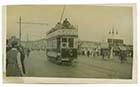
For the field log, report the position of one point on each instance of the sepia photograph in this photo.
(69, 41)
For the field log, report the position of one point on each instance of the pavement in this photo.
(37, 65)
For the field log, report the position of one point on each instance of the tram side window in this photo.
(58, 42)
(71, 42)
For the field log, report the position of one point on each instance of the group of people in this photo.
(15, 55)
(65, 25)
(105, 53)
(90, 53)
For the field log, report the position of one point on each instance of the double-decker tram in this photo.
(62, 42)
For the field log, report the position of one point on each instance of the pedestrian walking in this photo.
(13, 67)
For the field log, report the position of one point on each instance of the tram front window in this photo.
(64, 42)
(64, 39)
(71, 41)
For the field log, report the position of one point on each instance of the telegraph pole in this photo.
(20, 28)
(31, 23)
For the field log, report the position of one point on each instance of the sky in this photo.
(94, 22)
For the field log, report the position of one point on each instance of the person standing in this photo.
(83, 52)
(7, 46)
(66, 23)
(22, 57)
(28, 52)
(123, 56)
(103, 54)
(13, 67)
(93, 53)
(88, 53)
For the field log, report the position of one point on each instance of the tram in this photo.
(62, 42)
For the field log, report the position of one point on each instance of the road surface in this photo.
(37, 65)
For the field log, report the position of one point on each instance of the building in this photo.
(93, 47)
(35, 45)
(115, 41)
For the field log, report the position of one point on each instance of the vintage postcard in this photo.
(69, 44)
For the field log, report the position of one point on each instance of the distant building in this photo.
(118, 45)
(115, 41)
(35, 45)
(84, 46)
(90, 46)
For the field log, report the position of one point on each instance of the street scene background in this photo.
(100, 28)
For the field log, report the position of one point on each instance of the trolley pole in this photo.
(62, 14)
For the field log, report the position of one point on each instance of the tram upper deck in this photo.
(63, 29)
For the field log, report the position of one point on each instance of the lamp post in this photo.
(112, 32)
